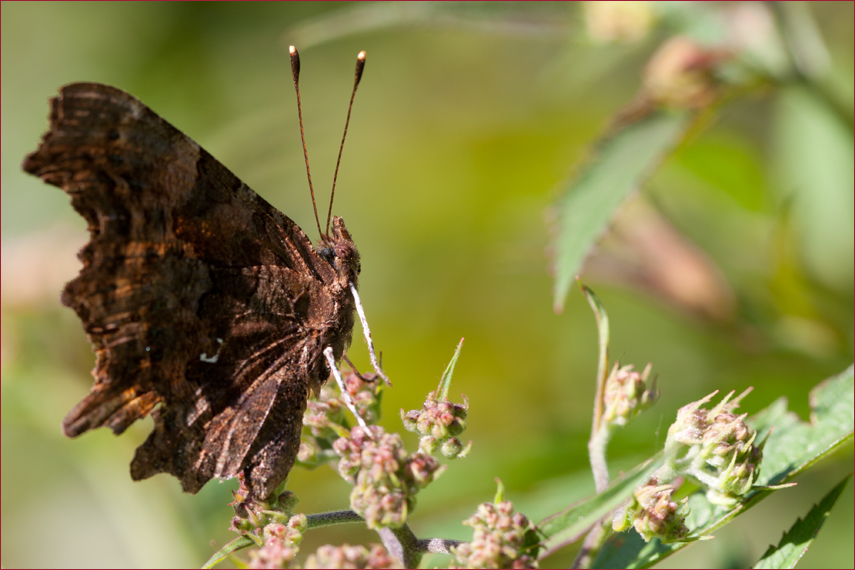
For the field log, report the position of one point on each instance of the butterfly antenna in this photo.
(360, 66)
(295, 73)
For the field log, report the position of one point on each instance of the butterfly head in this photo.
(339, 250)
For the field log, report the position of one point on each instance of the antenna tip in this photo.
(295, 63)
(360, 67)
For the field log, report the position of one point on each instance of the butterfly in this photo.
(206, 307)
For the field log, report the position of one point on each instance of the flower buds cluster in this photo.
(716, 448)
(384, 475)
(324, 420)
(365, 389)
(681, 74)
(346, 556)
(499, 539)
(719, 449)
(618, 22)
(252, 515)
(626, 394)
(437, 424)
(654, 513)
(281, 543)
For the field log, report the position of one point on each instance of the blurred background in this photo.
(469, 119)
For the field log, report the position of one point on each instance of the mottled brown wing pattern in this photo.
(205, 305)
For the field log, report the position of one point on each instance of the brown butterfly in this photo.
(206, 307)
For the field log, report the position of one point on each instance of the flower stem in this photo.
(401, 542)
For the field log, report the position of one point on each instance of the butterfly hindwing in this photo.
(203, 303)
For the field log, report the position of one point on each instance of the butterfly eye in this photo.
(344, 251)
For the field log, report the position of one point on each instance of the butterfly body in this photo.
(206, 307)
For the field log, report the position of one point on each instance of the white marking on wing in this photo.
(212, 359)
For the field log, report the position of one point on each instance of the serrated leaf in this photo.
(620, 164)
(561, 528)
(800, 537)
(792, 446)
(230, 548)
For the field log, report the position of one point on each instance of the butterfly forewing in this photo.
(204, 304)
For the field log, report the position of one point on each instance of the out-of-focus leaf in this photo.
(803, 39)
(792, 446)
(485, 17)
(800, 537)
(621, 162)
(814, 172)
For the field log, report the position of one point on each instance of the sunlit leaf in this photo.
(569, 524)
(800, 537)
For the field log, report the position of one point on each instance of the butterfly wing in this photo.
(198, 296)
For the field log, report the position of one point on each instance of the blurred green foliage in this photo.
(469, 118)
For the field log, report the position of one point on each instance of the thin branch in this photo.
(332, 518)
(401, 542)
(438, 545)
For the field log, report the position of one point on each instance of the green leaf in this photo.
(793, 445)
(621, 163)
(230, 548)
(500, 492)
(445, 381)
(813, 163)
(800, 537)
(562, 528)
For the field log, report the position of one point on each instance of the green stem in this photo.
(597, 456)
(599, 436)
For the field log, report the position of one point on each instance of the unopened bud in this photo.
(626, 394)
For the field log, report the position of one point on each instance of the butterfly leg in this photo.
(345, 395)
(367, 332)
